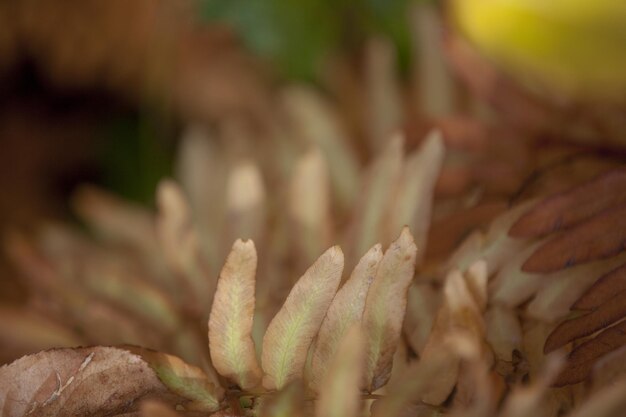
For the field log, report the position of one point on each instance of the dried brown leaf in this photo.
(230, 324)
(603, 289)
(582, 359)
(96, 381)
(569, 208)
(292, 330)
(339, 394)
(345, 310)
(606, 314)
(600, 237)
(385, 307)
(561, 289)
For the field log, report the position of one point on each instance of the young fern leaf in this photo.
(345, 310)
(291, 331)
(339, 393)
(385, 307)
(230, 323)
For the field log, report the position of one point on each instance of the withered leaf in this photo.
(385, 307)
(603, 289)
(291, 331)
(97, 381)
(571, 207)
(339, 394)
(345, 310)
(600, 237)
(230, 324)
(606, 314)
(561, 289)
(581, 360)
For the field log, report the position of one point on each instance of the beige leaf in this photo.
(384, 105)
(287, 403)
(345, 310)
(309, 204)
(152, 408)
(85, 381)
(179, 240)
(291, 332)
(415, 192)
(117, 220)
(411, 386)
(245, 202)
(230, 323)
(460, 314)
(378, 191)
(317, 122)
(504, 332)
(340, 394)
(385, 307)
(422, 306)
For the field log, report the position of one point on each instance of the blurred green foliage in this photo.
(296, 35)
(134, 153)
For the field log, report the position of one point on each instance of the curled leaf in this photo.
(292, 330)
(230, 324)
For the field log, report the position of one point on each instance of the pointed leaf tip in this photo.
(230, 323)
(385, 307)
(290, 333)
